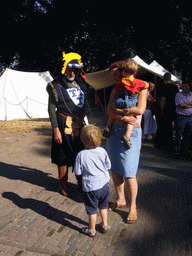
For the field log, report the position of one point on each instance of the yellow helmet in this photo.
(71, 60)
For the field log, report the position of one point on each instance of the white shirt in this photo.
(93, 165)
(180, 98)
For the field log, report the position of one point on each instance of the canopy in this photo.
(161, 70)
(23, 94)
(100, 80)
(103, 79)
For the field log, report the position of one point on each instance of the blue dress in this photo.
(124, 161)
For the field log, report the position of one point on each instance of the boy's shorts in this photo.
(97, 199)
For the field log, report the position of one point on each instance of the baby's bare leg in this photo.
(129, 130)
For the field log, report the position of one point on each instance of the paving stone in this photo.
(36, 220)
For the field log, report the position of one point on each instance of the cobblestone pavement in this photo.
(36, 220)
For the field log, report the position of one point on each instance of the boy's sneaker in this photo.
(106, 132)
(105, 228)
(126, 141)
(88, 232)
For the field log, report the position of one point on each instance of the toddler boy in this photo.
(93, 164)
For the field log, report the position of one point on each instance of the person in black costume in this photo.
(66, 108)
(164, 135)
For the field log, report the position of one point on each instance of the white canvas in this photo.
(23, 94)
(102, 79)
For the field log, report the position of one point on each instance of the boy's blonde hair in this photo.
(91, 136)
(130, 66)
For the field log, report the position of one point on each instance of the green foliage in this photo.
(35, 32)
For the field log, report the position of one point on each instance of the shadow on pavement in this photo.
(45, 210)
(36, 177)
(30, 175)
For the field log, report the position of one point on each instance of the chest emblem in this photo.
(77, 96)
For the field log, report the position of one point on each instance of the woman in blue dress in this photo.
(125, 161)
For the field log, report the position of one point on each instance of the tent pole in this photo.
(105, 103)
(155, 92)
(6, 70)
(100, 101)
(27, 104)
(5, 110)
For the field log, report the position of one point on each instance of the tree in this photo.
(36, 33)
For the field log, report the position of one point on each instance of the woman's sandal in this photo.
(132, 217)
(116, 205)
(88, 232)
(106, 132)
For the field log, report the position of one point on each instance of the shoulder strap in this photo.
(54, 91)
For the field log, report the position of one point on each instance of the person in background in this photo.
(183, 101)
(150, 125)
(178, 85)
(66, 108)
(93, 165)
(164, 134)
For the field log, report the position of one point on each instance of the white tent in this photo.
(103, 79)
(23, 94)
(161, 70)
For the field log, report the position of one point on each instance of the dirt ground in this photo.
(40, 129)
(25, 125)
